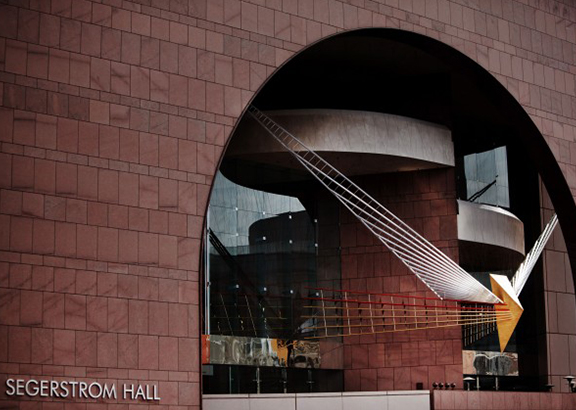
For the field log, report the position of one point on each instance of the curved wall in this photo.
(490, 225)
(373, 142)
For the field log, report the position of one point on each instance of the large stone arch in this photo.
(504, 95)
(72, 70)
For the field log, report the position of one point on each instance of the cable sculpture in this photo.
(523, 272)
(452, 284)
(440, 273)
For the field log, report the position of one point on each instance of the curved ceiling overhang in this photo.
(355, 142)
(490, 225)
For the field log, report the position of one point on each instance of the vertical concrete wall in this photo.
(113, 116)
(560, 332)
(105, 171)
(486, 400)
(426, 200)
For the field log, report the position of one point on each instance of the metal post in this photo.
(207, 274)
(230, 380)
(257, 380)
(371, 315)
(393, 310)
(324, 312)
(250, 313)
(285, 380)
(310, 381)
(415, 314)
(347, 313)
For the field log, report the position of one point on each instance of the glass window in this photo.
(262, 261)
(486, 176)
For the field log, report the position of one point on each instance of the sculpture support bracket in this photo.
(502, 288)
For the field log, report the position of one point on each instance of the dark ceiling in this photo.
(366, 70)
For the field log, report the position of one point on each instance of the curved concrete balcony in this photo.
(355, 142)
(490, 238)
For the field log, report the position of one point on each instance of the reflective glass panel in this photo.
(486, 176)
(261, 262)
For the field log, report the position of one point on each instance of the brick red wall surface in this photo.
(426, 200)
(113, 116)
(558, 285)
(485, 400)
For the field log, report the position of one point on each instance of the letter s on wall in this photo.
(10, 390)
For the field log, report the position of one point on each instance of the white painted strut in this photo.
(523, 272)
(440, 273)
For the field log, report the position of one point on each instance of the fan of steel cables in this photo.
(441, 274)
(343, 313)
(523, 272)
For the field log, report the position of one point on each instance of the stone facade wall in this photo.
(465, 400)
(426, 200)
(113, 116)
(560, 330)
